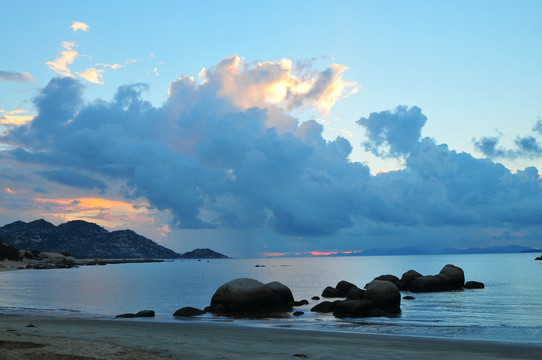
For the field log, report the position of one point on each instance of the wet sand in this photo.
(81, 339)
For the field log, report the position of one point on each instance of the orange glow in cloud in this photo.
(9, 190)
(326, 253)
(14, 117)
(275, 254)
(109, 213)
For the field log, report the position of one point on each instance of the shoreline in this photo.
(82, 339)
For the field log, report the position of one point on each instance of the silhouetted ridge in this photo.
(82, 240)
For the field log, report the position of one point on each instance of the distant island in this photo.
(203, 254)
(82, 239)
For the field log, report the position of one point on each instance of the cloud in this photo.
(266, 83)
(74, 179)
(77, 25)
(15, 117)
(93, 75)
(213, 159)
(16, 77)
(393, 133)
(525, 146)
(67, 57)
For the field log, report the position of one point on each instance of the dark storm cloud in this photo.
(73, 178)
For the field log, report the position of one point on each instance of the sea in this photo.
(508, 309)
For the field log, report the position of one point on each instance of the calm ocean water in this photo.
(508, 309)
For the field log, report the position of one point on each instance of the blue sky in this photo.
(457, 82)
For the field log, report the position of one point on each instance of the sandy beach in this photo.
(81, 339)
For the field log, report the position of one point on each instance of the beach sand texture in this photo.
(81, 339)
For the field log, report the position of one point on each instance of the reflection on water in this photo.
(510, 307)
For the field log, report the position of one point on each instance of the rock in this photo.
(353, 308)
(386, 296)
(282, 291)
(456, 277)
(428, 283)
(355, 293)
(391, 278)
(344, 286)
(408, 297)
(58, 260)
(324, 307)
(298, 313)
(25, 254)
(474, 285)
(539, 258)
(407, 278)
(188, 312)
(315, 298)
(246, 296)
(331, 292)
(299, 303)
(145, 313)
(127, 315)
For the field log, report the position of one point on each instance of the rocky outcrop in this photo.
(82, 240)
(450, 278)
(407, 278)
(203, 254)
(247, 297)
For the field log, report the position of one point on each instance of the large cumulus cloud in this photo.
(226, 153)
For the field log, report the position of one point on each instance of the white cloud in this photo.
(77, 25)
(67, 57)
(93, 75)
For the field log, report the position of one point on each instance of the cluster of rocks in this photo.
(381, 297)
(52, 260)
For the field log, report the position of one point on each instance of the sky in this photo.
(284, 127)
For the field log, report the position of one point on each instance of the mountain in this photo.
(82, 240)
(203, 254)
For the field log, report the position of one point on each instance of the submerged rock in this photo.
(188, 312)
(474, 285)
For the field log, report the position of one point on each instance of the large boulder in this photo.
(385, 295)
(353, 308)
(282, 291)
(455, 275)
(407, 278)
(428, 283)
(324, 306)
(246, 297)
(331, 292)
(355, 293)
(344, 286)
(391, 278)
